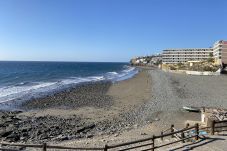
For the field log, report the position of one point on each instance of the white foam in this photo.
(114, 73)
(12, 92)
(23, 90)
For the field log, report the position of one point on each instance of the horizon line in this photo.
(63, 61)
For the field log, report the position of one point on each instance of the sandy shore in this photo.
(115, 99)
(128, 110)
(95, 109)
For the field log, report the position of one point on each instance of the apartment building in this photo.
(173, 56)
(220, 52)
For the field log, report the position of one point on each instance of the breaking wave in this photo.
(28, 90)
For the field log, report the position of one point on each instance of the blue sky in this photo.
(106, 30)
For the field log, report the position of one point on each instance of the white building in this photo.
(174, 56)
(220, 52)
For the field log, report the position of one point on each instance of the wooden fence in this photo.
(218, 126)
(145, 144)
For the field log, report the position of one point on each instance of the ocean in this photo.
(25, 80)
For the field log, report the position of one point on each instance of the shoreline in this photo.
(32, 86)
(104, 116)
(144, 105)
(18, 103)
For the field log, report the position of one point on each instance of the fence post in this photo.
(162, 135)
(172, 130)
(182, 137)
(106, 147)
(187, 125)
(196, 131)
(44, 146)
(212, 127)
(153, 138)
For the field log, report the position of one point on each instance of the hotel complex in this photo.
(218, 52)
(185, 55)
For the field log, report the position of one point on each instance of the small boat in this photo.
(191, 109)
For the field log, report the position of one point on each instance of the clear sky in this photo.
(106, 30)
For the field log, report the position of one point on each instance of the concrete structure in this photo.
(174, 56)
(220, 52)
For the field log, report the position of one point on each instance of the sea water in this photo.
(24, 80)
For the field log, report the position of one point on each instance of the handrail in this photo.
(172, 133)
(166, 130)
(217, 122)
(152, 139)
(175, 129)
(174, 142)
(204, 128)
(152, 143)
(213, 127)
(220, 126)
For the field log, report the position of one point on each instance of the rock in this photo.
(89, 136)
(64, 138)
(8, 120)
(86, 128)
(156, 119)
(135, 126)
(13, 137)
(5, 133)
(22, 138)
(25, 128)
(143, 133)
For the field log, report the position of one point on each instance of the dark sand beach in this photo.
(104, 112)
(86, 111)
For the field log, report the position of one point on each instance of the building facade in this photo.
(174, 56)
(220, 52)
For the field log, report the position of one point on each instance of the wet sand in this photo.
(95, 109)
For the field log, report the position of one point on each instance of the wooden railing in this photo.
(182, 135)
(143, 144)
(217, 127)
(43, 146)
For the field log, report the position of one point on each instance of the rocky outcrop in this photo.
(39, 129)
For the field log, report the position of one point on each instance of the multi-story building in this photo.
(220, 52)
(173, 56)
